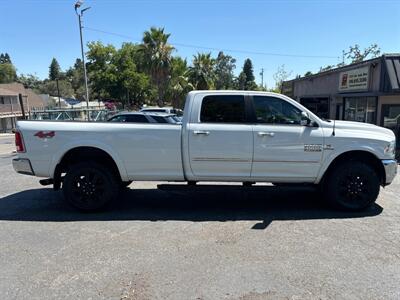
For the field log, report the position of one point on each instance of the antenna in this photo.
(334, 123)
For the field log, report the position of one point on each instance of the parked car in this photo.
(168, 110)
(144, 117)
(237, 136)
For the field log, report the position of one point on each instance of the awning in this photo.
(393, 72)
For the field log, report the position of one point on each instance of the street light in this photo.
(78, 5)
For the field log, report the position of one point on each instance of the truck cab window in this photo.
(223, 109)
(272, 110)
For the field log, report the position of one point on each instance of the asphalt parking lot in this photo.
(206, 243)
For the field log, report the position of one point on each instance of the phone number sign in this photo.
(356, 79)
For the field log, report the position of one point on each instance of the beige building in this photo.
(368, 91)
(10, 108)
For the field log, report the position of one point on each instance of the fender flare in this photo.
(58, 156)
(328, 159)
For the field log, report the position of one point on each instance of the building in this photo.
(367, 91)
(10, 108)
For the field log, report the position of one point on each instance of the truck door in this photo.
(284, 149)
(221, 139)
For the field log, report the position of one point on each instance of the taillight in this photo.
(19, 142)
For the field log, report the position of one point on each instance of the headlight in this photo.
(390, 148)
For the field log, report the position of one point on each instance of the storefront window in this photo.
(391, 119)
(360, 109)
(319, 106)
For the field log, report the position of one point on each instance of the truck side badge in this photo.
(45, 134)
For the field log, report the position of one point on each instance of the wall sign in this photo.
(354, 80)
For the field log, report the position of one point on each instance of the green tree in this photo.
(201, 74)
(308, 73)
(355, 54)
(114, 74)
(157, 53)
(5, 58)
(76, 77)
(224, 67)
(29, 81)
(54, 70)
(246, 79)
(132, 86)
(102, 70)
(179, 84)
(8, 73)
(50, 87)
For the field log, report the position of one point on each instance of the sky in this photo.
(302, 35)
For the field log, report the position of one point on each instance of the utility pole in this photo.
(262, 77)
(80, 15)
(58, 93)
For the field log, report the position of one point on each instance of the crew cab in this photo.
(225, 136)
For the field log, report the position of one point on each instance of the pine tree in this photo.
(246, 77)
(54, 70)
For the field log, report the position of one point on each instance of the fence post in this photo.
(21, 103)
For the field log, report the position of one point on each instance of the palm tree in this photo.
(157, 54)
(179, 84)
(201, 74)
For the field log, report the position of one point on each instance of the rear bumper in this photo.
(22, 166)
(390, 166)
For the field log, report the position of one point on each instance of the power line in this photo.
(216, 49)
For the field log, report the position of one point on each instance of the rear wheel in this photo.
(89, 186)
(351, 186)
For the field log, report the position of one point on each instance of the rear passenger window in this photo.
(118, 119)
(159, 119)
(223, 109)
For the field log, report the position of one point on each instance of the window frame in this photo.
(254, 116)
(247, 109)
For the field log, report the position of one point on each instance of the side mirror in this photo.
(305, 120)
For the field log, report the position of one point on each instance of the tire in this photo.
(89, 186)
(351, 186)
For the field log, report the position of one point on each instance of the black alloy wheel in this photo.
(89, 186)
(352, 186)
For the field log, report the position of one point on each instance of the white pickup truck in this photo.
(235, 136)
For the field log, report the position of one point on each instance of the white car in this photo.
(237, 136)
(144, 117)
(167, 110)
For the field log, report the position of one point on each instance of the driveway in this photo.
(204, 243)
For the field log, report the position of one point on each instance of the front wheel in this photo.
(89, 186)
(351, 186)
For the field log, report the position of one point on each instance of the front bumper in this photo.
(22, 166)
(390, 166)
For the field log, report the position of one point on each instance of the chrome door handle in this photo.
(263, 133)
(198, 132)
